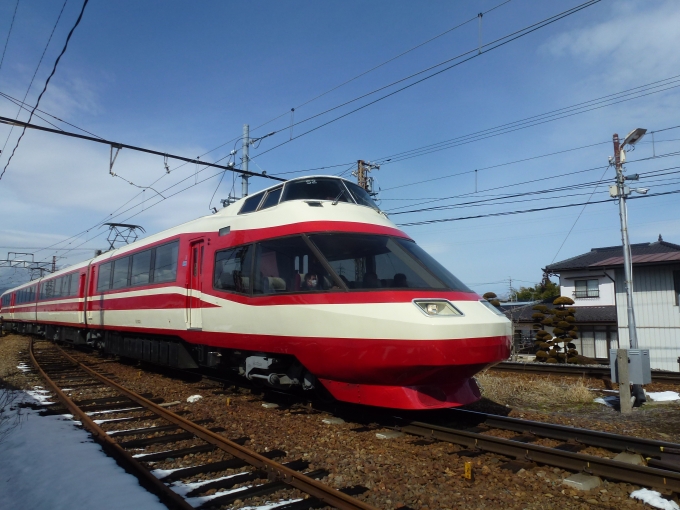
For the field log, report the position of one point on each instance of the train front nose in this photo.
(416, 359)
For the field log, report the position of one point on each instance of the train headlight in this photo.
(437, 307)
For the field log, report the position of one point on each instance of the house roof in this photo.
(584, 314)
(611, 256)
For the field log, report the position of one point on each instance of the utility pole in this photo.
(361, 173)
(622, 191)
(54, 263)
(244, 166)
(623, 357)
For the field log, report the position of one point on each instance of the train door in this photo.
(12, 302)
(195, 285)
(79, 295)
(90, 317)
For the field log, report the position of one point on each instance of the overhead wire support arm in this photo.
(112, 157)
(10, 121)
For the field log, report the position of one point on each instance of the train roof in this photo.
(283, 213)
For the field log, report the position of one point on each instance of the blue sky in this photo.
(183, 78)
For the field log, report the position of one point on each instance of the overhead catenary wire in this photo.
(489, 47)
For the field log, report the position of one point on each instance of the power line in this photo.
(23, 106)
(567, 174)
(54, 69)
(16, 6)
(538, 209)
(489, 47)
(11, 129)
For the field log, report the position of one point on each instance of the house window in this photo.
(586, 289)
(676, 287)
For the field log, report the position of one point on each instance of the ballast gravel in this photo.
(398, 472)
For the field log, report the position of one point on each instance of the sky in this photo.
(182, 78)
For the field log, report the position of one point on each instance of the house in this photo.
(595, 281)
(597, 328)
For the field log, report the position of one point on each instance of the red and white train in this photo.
(304, 284)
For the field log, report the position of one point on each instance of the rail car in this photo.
(304, 285)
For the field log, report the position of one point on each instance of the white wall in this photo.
(605, 284)
(657, 317)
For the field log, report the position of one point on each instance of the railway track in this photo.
(591, 371)
(154, 434)
(479, 433)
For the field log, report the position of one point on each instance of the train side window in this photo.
(165, 263)
(121, 270)
(75, 280)
(104, 279)
(5, 300)
(141, 268)
(233, 269)
(251, 203)
(47, 289)
(272, 198)
(56, 287)
(278, 265)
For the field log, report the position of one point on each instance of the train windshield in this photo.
(383, 262)
(318, 188)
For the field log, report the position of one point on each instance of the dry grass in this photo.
(527, 390)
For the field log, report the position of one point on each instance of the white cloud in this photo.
(639, 40)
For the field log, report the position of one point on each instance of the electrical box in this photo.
(613, 191)
(639, 367)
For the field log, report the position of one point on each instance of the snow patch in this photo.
(39, 397)
(194, 398)
(201, 500)
(47, 452)
(24, 367)
(663, 396)
(185, 488)
(654, 499)
(608, 401)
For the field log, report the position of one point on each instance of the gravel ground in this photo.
(405, 471)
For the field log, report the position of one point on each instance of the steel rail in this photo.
(578, 462)
(617, 442)
(167, 496)
(274, 470)
(576, 370)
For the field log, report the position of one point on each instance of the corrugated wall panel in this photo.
(656, 315)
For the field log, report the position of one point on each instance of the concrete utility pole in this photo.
(623, 357)
(244, 166)
(622, 191)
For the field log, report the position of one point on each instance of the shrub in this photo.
(489, 295)
(540, 308)
(558, 331)
(537, 316)
(563, 325)
(563, 300)
(551, 360)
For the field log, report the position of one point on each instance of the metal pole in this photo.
(627, 259)
(244, 166)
